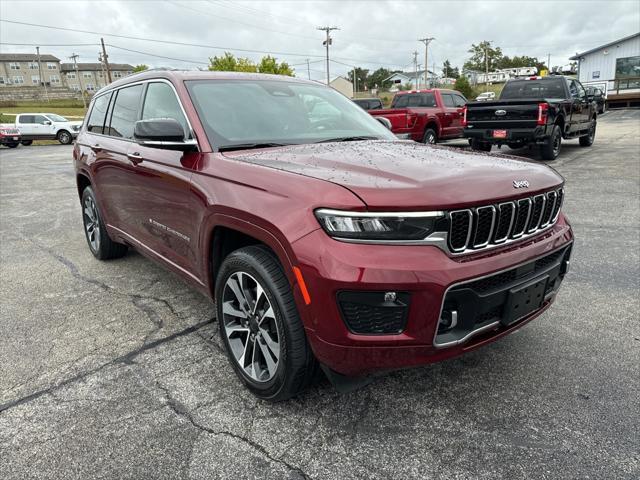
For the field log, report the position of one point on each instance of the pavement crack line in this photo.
(182, 411)
(126, 359)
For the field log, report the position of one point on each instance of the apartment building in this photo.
(23, 69)
(91, 77)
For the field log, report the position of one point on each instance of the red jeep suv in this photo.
(323, 239)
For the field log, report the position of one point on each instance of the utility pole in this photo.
(74, 57)
(44, 84)
(415, 69)
(326, 43)
(486, 65)
(355, 83)
(548, 63)
(102, 71)
(106, 60)
(426, 41)
(308, 70)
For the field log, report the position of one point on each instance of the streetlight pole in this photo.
(326, 43)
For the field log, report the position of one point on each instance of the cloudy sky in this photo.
(372, 33)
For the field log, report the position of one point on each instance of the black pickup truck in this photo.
(533, 110)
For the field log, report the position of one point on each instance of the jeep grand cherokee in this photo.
(323, 239)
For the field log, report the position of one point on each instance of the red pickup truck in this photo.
(426, 116)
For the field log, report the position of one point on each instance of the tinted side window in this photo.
(447, 99)
(125, 112)
(427, 100)
(161, 102)
(459, 100)
(95, 123)
(40, 119)
(400, 101)
(375, 105)
(26, 119)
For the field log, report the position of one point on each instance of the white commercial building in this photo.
(614, 68)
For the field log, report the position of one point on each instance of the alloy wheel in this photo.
(91, 223)
(251, 327)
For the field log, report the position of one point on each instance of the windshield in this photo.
(56, 118)
(259, 112)
(552, 88)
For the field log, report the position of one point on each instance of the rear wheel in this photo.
(480, 145)
(430, 136)
(100, 244)
(64, 137)
(12, 145)
(587, 140)
(551, 149)
(27, 142)
(260, 326)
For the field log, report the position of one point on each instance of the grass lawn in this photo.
(9, 113)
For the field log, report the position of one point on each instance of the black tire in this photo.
(64, 137)
(104, 248)
(430, 136)
(26, 143)
(12, 145)
(551, 148)
(587, 140)
(480, 145)
(296, 365)
(515, 146)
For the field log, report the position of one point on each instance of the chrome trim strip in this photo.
(513, 216)
(368, 214)
(560, 195)
(474, 279)
(493, 222)
(555, 197)
(466, 243)
(526, 221)
(530, 228)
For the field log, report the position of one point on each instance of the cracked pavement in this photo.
(115, 369)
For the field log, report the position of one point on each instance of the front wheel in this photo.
(100, 244)
(430, 136)
(260, 326)
(551, 148)
(64, 137)
(587, 140)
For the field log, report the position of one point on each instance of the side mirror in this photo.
(384, 121)
(47, 122)
(163, 133)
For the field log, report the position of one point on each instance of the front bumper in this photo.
(10, 140)
(427, 274)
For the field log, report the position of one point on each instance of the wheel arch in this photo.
(82, 181)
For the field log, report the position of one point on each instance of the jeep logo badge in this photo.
(501, 113)
(520, 184)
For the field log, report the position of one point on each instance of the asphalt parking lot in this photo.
(115, 369)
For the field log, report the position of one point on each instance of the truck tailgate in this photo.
(400, 118)
(503, 114)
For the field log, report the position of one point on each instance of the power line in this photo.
(161, 56)
(50, 44)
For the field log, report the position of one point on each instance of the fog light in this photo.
(390, 297)
(448, 320)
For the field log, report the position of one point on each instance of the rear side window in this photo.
(125, 112)
(161, 102)
(27, 119)
(447, 99)
(95, 123)
(414, 100)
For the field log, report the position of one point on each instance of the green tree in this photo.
(464, 87)
(140, 68)
(229, 63)
(478, 53)
(449, 71)
(521, 61)
(378, 79)
(270, 64)
(362, 75)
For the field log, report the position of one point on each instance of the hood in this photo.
(403, 174)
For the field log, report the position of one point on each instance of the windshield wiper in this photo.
(248, 146)
(349, 139)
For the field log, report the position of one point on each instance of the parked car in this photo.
(323, 240)
(426, 116)
(46, 126)
(598, 97)
(368, 103)
(486, 96)
(9, 135)
(533, 111)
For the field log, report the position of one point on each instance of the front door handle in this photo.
(135, 157)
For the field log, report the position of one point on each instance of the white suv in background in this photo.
(486, 96)
(46, 126)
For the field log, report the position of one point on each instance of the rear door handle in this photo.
(96, 148)
(134, 157)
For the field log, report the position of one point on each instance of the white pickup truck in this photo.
(46, 126)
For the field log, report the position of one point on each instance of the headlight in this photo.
(377, 226)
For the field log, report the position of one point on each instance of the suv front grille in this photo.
(487, 225)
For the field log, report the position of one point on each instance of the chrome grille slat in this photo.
(492, 225)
